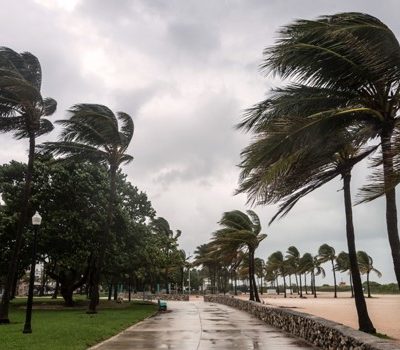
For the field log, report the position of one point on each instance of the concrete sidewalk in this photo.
(196, 325)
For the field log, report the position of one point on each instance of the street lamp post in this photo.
(36, 221)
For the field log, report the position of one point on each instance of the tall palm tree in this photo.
(344, 71)
(93, 132)
(273, 171)
(22, 109)
(366, 264)
(343, 265)
(327, 253)
(244, 232)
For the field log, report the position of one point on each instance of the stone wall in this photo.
(179, 297)
(322, 333)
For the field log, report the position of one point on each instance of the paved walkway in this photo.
(202, 326)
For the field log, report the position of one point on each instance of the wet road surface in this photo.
(202, 326)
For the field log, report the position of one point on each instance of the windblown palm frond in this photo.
(92, 133)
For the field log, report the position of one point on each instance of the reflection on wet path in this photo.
(202, 326)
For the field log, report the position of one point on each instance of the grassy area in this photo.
(69, 328)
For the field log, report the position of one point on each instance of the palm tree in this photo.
(317, 270)
(204, 257)
(345, 72)
(306, 266)
(93, 132)
(277, 263)
(273, 171)
(242, 231)
(343, 265)
(327, 253)
(366, 264)
(259, 271)
(22, 109)
(293, 260)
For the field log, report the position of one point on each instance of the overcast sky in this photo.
(185, 70)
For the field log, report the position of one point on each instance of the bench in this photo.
(162, 305)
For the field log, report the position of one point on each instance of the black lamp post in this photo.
(36, 221)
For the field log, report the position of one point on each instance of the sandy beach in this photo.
(384, 310)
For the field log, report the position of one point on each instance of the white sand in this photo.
(384, 310)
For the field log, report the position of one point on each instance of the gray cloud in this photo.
(186, 70)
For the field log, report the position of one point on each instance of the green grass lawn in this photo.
(69, 328)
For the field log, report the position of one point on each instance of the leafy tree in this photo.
(242, 231)
(170, 253)
(366, 264)
(95, 133)
(22, 109)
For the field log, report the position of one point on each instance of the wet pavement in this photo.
(202, 326)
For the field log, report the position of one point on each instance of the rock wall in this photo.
(179, 297)
(322, 333)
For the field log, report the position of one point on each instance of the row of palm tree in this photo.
(92, 133)
(339, 107)
(299, 266)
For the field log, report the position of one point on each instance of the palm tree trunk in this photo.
(290, 284)
(301, 289)
(22, 221)
(364, 321)
(391, 209)
(368, 287)
(94, 295)
(256, 296)
(297, 283)
(305, 282)
(56, 289)
(334, 277)
(351, 286)
(251, 276)
(235, 282)
(313, 282)
(284, 286)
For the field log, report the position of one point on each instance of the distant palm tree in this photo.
(343, 265)
(205, 257)
(366, 267)
(306, 265)
(293, 260)
(95, 133)
(259, 271)
(22, 109)
(242, 231)
(277, 263)
(317, 270)
(327, 253)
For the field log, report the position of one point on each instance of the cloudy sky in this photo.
(185, 70)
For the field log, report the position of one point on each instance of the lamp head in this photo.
(36, 219)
